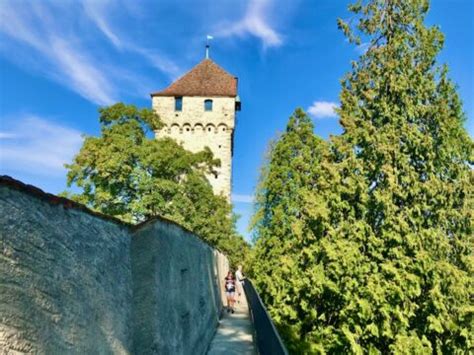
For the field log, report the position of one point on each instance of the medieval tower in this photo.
(199, 110)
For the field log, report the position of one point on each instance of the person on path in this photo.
(239, 276)
(229, 286)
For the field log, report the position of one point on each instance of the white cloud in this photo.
(60, 42)
(158, 61)
(323, 109)
(6, 135)
(363, 47)
(108, 50)
(242, 198)
(83, 74)
(57, 53)
(99, 13)
(38, 146)
(255, 23)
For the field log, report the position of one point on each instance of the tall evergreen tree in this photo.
(404, 141)
(282, 233)
(391, 266)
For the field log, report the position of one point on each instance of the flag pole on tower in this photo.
(207, 45)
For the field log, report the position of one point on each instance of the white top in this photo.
(239, 276)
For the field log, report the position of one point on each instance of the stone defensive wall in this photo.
(75, 281)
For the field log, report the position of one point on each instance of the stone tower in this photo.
(199, 110)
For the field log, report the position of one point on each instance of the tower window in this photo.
(207, 105)
(178, 103)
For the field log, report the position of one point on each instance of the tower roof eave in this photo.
(205, 79)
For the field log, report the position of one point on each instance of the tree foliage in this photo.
(282, 231)
(127, 173)
(380, 257)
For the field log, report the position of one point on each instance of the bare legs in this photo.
(230, 302)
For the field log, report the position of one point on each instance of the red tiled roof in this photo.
(205, 79)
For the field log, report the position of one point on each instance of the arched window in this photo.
(208, 105)
(186, 128)
(175, 129)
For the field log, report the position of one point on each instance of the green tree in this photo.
(282, 233)
(127, 173)
(405, 147)
(390, 212)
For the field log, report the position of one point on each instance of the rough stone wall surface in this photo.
(65, 279)
(197, 128)
(177, 294)
(73, 282)
(222, 265)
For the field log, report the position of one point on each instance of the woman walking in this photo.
(229, 285)
(239, 277)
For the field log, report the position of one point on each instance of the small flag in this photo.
(210, 37)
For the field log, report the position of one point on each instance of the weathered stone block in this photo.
(72, 281)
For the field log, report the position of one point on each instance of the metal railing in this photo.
(267, 337)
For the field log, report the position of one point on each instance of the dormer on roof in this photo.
(205, 79)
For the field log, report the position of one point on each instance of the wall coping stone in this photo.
(34, 191)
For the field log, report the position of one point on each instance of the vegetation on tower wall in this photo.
(364, 244)
(127, 173)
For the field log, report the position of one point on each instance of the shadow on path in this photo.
(235, 333)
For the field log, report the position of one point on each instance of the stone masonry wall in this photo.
(65, 279)
(197, 128)
(72, 281)
(172, 267)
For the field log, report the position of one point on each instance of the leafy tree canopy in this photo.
(127, 173)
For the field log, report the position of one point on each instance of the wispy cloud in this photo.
(363, 47)
(83, 74)
(5, 135)
(109, 50)
(57, 53)
(323, 109)
(242, 198)
(158, 61)
(60, 42)
(99, 14)
(256, 23)
(35, 144)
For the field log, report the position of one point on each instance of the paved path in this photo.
(235, 333)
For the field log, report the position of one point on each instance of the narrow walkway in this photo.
(235, 333)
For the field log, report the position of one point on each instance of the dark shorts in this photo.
(230, 293)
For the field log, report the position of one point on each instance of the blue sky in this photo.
(61, 60)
